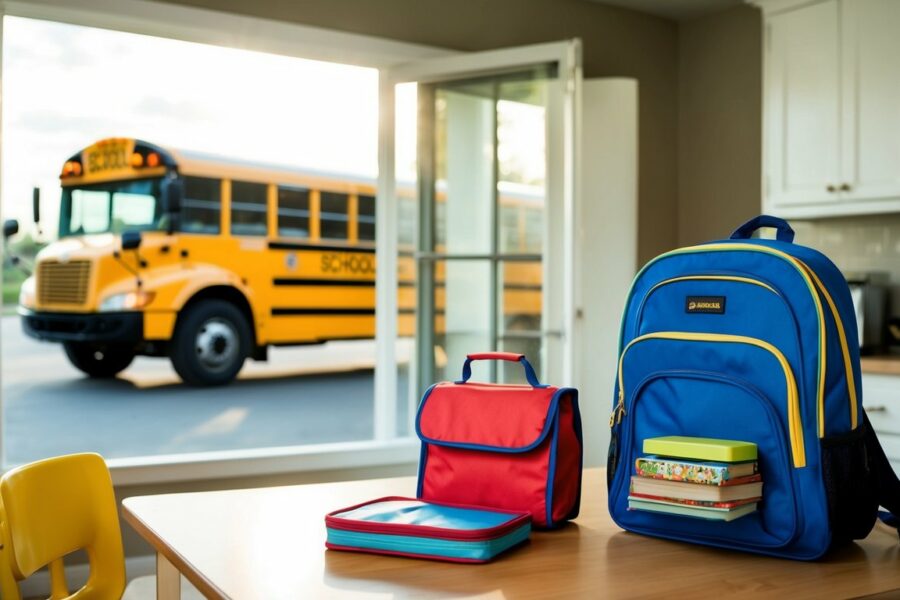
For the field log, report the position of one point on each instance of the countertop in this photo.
(888, 364)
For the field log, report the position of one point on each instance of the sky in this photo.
(67, 86)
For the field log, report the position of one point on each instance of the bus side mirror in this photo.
(172, 195)
(36, 204)
(10, 228)
(131, 240)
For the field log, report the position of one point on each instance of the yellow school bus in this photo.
(210, 261)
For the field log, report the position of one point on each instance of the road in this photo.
(303, 395)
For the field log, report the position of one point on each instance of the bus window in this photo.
(366, 219)
(534, 230)
(333, 215)
(406, 222)
(293, 212)
(440, 223)
(509, 229)
(248, 208)
(202, 205)
(90, 211)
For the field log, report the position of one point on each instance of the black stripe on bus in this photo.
(412, 311)
(300, 281)
(523, 286)
(324, 247)
(285, 312)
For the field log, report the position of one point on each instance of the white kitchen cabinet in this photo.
(870, 117)
(832, 107)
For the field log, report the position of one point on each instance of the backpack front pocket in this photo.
(701, 397)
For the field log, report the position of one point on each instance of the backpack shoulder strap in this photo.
(887, 484)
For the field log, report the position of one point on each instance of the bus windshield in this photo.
(111, 207)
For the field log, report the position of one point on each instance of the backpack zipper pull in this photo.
(619, 411)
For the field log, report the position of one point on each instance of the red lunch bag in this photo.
(510, 447)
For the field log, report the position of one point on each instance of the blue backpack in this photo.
(752, 340)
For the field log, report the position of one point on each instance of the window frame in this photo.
(261, 35)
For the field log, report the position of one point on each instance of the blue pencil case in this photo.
(407, 527)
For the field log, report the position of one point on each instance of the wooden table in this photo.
(268, 544)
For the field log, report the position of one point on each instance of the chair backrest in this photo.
(56, 506)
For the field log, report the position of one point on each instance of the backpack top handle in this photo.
(745, 231)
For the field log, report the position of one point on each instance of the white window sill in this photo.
(262, 461)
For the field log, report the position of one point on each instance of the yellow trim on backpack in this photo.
(713, 278)
(803, 270)
(845, 350)
(795, 422)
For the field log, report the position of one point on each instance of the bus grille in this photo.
(63, 283)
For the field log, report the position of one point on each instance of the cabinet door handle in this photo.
(880, 408)
(845, 187)
(830, 188)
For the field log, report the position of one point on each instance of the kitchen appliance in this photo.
(870, 302)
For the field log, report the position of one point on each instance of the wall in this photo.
(719, 123)
(617, 42)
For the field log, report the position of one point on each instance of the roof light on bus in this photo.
(153, 159)
(72, 168)
(137, 160)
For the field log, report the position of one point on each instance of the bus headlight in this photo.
(127, 301)
(27, 293)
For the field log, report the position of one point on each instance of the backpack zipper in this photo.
(795, 423)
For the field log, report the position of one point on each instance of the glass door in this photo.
(477, 164)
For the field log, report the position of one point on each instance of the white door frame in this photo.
(563, 146)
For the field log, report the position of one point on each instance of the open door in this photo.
(477, 164)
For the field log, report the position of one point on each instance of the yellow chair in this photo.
(51, 508)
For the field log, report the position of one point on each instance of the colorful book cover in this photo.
(692, 491)
(710, 514)
(702, 503)
(709, 473)
(697, 448)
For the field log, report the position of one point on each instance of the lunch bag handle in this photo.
(745, 231)
(508, 356)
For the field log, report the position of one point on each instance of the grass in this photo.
(12, 281)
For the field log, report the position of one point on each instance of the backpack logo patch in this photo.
(705, 304)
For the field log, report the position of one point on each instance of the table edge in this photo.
(197, 579)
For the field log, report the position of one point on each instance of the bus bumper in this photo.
(78, 327)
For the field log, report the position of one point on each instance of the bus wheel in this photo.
(210, 344)
(99, 360)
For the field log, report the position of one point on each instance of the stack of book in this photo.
(697, 477)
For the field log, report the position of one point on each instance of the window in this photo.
(248, 208)
(406, 222)
(333, 216)
(534, 230)
(366, 218)
(509, 229)
(293, 212)
(202, 205)
(110, 207)
(90, 211)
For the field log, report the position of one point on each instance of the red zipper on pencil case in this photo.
(426, 530)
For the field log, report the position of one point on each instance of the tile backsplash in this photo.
(858, 244)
